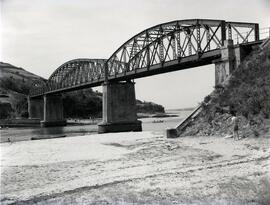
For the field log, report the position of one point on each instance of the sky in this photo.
(40, 35)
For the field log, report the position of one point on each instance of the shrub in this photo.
(5, 110)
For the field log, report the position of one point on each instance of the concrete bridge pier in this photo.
(231, 57)
(225, 66)
(35, 108)
(119, 108)
(53, 111)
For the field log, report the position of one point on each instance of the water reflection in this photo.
(21, 134)
(48, 131)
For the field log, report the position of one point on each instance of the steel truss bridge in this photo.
(162, 48)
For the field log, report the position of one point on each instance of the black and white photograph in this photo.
(135, 102)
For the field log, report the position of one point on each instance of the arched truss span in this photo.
(159, 49)
(73, 73)
(176, 40)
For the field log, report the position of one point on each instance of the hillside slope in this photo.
(15, 79)
(7, 70)
(15, 83)
(247, 94)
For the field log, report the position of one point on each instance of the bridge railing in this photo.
(263, 33)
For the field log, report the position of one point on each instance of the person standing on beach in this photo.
(235, 123)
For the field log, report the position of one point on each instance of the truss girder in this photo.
(72, 73)
(175, 40)
(154, 47)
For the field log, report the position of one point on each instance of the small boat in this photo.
(47, 137)
(158, 121)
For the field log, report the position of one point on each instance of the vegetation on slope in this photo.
(247, 94)
(149, 107)
(15, 83)
(82, 104)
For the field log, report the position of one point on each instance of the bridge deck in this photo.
(174, 65)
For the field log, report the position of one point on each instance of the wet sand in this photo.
(136, 168)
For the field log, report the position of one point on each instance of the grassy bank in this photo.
(247, 94)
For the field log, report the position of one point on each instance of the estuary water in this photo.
(148, 124)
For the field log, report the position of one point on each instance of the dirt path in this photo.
(137, 168)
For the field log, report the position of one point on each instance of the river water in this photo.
(148, 124)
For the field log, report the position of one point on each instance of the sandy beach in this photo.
(136, 168)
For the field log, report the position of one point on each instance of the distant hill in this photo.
(15, 83)
(15, 79)
(149, 107)
(8, 70)
(183, 109)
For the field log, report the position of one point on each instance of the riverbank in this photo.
(19, 123)
(136, 168)
(15, 123)
(36, 122)
(175, 114)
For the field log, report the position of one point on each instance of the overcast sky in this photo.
(40, 35)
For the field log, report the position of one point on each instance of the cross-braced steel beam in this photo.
(159, 49)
